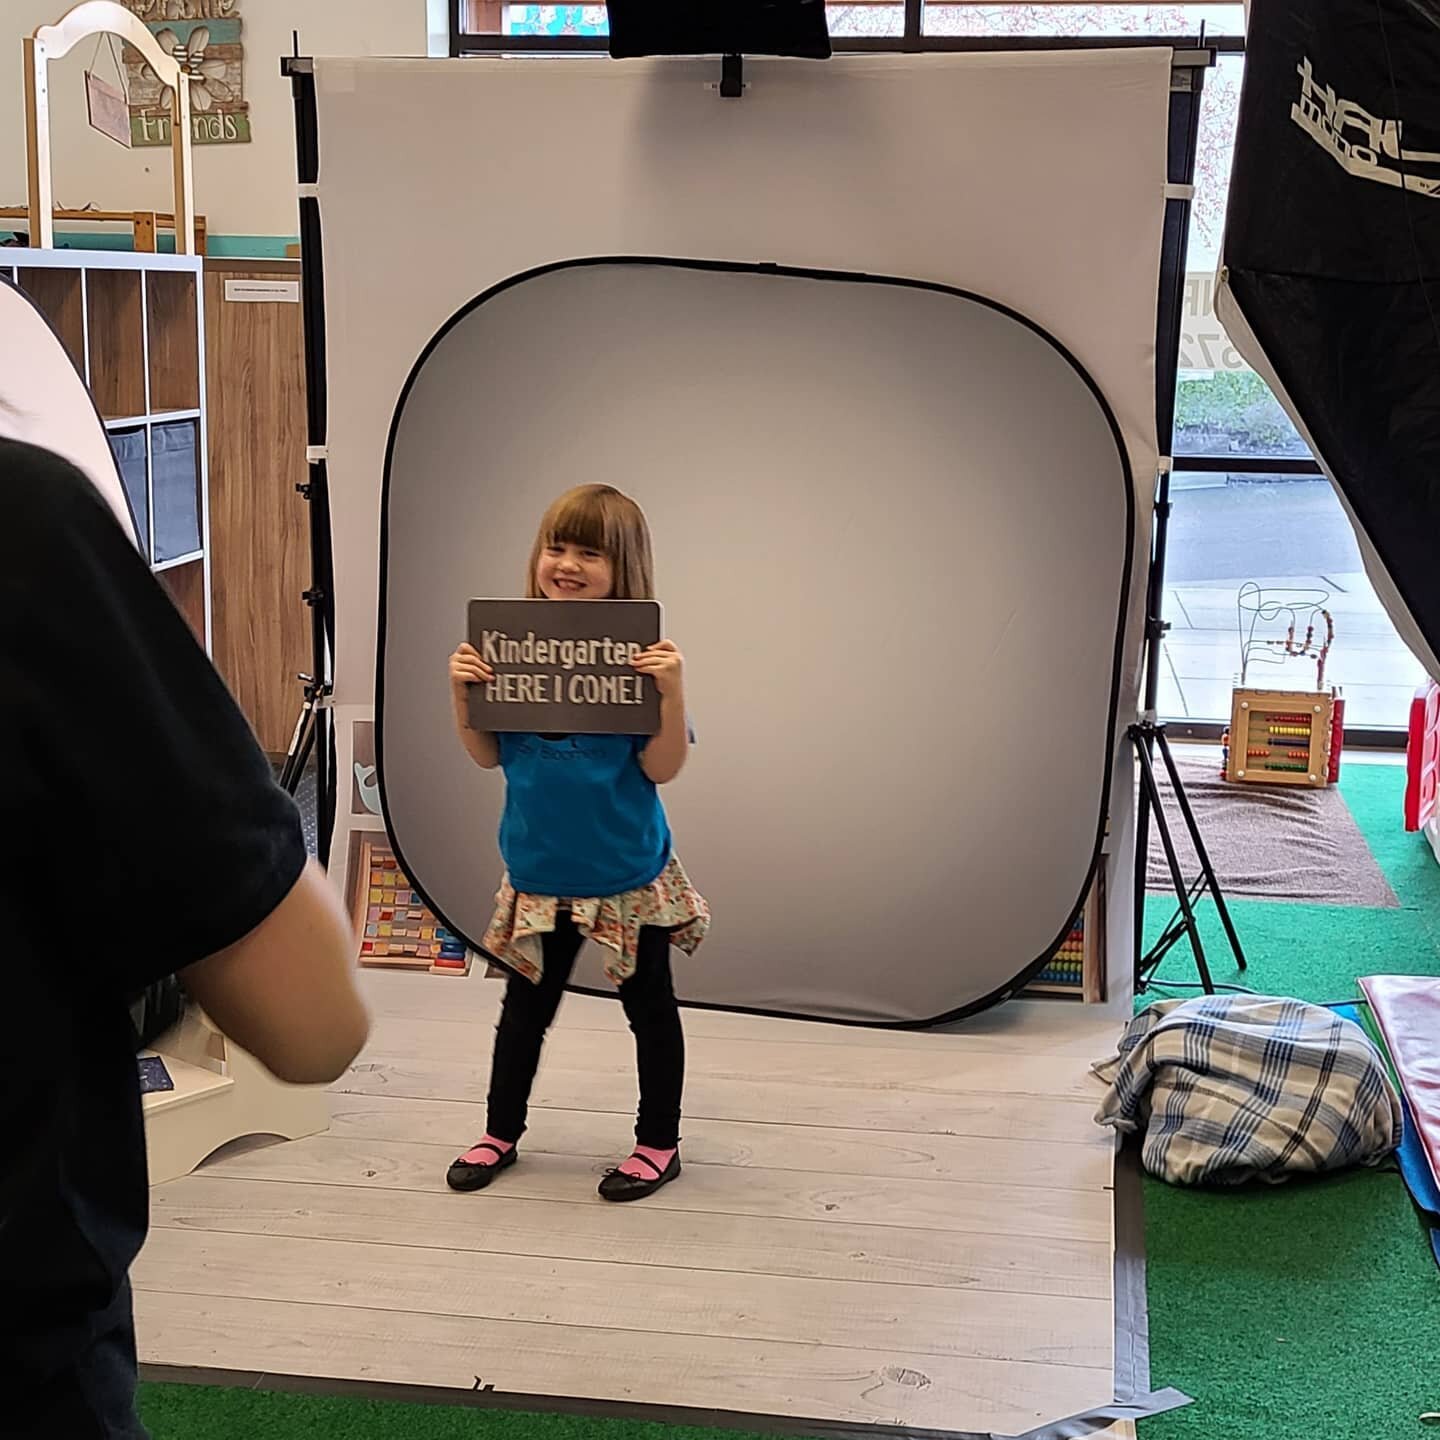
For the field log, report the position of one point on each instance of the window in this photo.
(1233, 520)
(489, 17)
(1284, 531)
(1081, 20)
(881, 19)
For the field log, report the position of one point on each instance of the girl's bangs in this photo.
(582, 519)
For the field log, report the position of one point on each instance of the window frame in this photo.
(912, 40)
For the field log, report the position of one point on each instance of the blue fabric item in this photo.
(1414, 1167)
(582, 820)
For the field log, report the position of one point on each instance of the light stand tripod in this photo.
(313, 731)
(1146, 736)
(1187, 85)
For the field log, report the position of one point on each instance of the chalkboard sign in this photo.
(562, 667)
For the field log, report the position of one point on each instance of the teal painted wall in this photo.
(223, 247)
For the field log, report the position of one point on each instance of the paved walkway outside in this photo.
(1376, 672)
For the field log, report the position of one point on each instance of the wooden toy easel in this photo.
(52, 42)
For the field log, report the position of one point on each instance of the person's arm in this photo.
(286, 991)
(663, 758)
(118, 713)
(467, 669)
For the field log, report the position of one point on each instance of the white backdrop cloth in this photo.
(1035, 180)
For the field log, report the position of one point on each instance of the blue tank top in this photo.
(582, 819)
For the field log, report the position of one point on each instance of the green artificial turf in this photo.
(1310, 1309)
(202, 1412)
(1307, 1311)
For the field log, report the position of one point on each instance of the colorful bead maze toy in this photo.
(396, 927)
(1284, 737)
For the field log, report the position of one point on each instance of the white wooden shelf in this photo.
(190, 559)
(191, 1083)
(221, 1094)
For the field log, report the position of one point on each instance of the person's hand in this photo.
(466, 669)
(665, 665)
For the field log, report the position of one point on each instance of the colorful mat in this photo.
(1410, 1157)
(1407, 1010)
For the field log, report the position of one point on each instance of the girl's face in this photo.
(572, 572)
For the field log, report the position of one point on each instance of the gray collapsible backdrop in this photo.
(893, 528)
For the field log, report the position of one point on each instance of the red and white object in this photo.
(1407, 1009)
(1422, 757)
(1337, 737)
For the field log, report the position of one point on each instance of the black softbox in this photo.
(1330, 281)
(718, 27)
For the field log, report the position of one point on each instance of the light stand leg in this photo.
(1142, 853)
(1207, 870)
(302, 739)
(1143, 736)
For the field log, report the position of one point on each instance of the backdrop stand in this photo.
(1186, 88)
(1189, 63)
(1146, 736)
(314, 728)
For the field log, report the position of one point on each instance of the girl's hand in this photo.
(467, 668)
(665, 665)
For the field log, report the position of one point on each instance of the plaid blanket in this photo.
(1245, 1087)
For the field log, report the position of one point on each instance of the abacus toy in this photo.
(396, 927)
(1282, 737)
(1076, 969)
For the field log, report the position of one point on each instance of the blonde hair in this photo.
(599, 517)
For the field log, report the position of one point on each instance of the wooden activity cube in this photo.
(1280, 737)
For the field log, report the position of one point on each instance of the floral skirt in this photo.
(670, 901)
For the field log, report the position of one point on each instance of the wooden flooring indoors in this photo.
(911, 1230)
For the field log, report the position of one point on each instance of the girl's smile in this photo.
(574, 572)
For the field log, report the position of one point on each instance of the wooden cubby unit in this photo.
(60, 295)
(134, 325)
(174, 352)
(117, 342)
(186, 584)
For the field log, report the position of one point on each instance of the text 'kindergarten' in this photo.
(574, 657)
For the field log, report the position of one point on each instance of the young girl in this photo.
(587, 855)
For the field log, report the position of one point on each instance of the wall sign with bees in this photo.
(204, 36)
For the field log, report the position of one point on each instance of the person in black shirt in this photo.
(133, 787)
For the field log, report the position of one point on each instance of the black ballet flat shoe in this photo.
(462, 1175)
(619, 1186)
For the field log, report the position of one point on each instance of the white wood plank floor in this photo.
(875, 1227)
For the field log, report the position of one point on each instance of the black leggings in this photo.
(649, 1000)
